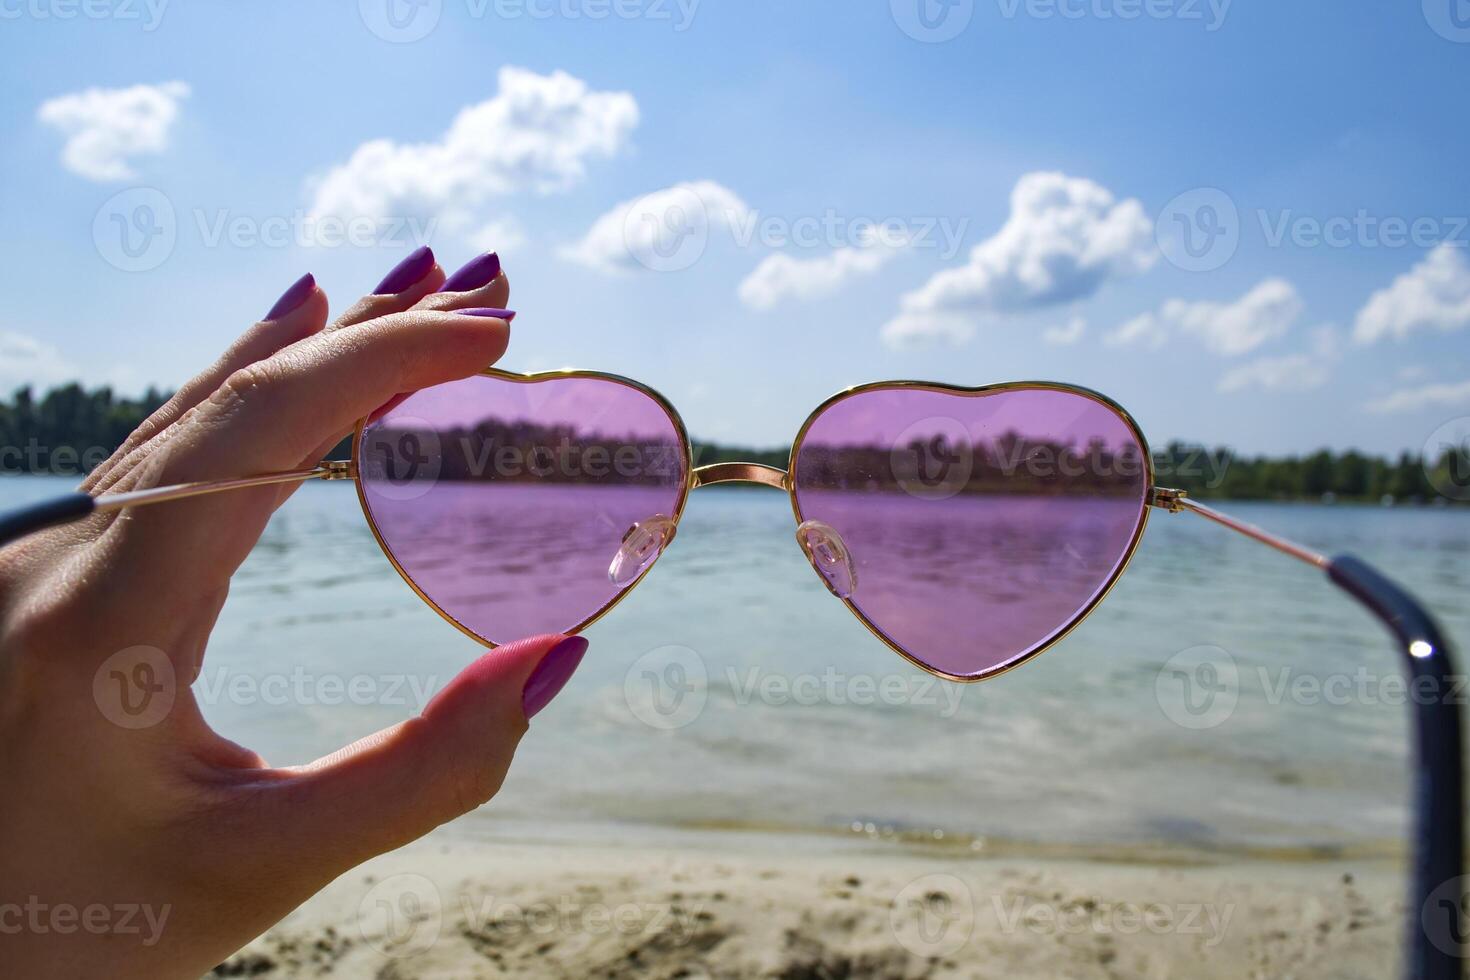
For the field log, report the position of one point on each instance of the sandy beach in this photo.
(766, 905)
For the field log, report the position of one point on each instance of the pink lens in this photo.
(523, 507)
(970, 529)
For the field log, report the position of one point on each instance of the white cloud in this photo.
(1264, 313)
(781, 276)
(536, 134)
(923, 329)
(666, 229)
(1144, 330)
(504, 233)
(104, 127)
(1424, 396)
(26, 360)
(1064, 239)
(1287, 372)
(1433, 295)
(1065, 336)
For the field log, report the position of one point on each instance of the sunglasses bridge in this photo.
(760, 473)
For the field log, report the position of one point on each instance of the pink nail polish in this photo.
(477, 272)
(407, 272)
(506, 315)
(293, 297)
(552, 674)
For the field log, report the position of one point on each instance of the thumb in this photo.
(402, 782)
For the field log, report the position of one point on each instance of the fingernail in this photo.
(506, 315)
(293, 297)
(407, 272)
(475, 273)
(552, 674)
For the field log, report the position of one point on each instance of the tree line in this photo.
(1348, 476)
(70, 429)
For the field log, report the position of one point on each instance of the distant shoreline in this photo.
(1359, 503)
(70, 430)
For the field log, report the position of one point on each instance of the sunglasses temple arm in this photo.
(1438, 788)
(16, 524)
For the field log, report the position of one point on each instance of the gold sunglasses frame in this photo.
(770, 476)
(535, 378)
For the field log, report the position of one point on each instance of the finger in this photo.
(302, 827)
(458, 292)
(406, 283)
(300, 312)
(416, 277)
(268, 417)
(480, 282)
(397, 785)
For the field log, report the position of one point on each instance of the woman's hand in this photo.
(149, 816)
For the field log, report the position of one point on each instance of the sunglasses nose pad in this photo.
(828, 554)
(642, 544)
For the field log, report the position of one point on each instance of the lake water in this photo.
(731, 690)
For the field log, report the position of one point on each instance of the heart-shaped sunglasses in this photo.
(968, 528)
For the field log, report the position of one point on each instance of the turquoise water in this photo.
(731, 689)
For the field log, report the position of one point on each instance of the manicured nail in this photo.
(506, 315)
(552, 674)
(475, 273)
(407, 272)
(293, 297)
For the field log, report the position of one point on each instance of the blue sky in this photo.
(838, 195)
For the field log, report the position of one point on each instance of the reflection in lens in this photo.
(506, 502)
(980, 526)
